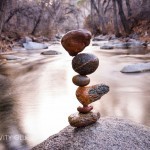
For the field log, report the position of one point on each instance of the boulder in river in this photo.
(34, 46)
(13, 57)
(136, 68)
(106, 47)
(51, 52)
(120, 45)
(106, 134)
(135, 43)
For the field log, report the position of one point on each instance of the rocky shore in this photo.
(108, 133)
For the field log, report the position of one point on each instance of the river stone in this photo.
(136, 68)
(82, 120)
(50, 52)
(106, 134)
(85, 63)
(84, 109)
(13, 57)
(80, 80)
(75, 41)
(87, 95)
(106, 47)
(35, 46)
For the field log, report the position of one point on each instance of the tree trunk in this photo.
(116, 28)
(38, 19)
(128, 8)
(101, 19)
(36, 24)
(146, 5)
(3, 4)
(123, 17)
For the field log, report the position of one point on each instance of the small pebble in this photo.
(84, 109)
(85, 63)
(80, 80)
(82, 120)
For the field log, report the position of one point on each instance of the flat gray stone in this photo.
(107, 134)
(95, 44)
(51, 52)
(121, 45)
(106, 47)
(131, 44)
(34, 46)
(13, 57)
(136, 68)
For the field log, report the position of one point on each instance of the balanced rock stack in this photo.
(84, 64)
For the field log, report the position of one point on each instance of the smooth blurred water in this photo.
(37, 95)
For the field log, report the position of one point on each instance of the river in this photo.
(37, 95)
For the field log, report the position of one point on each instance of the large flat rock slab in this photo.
(136, 68)
(106, 134)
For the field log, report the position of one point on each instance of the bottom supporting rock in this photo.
(106, 134)
(82, 120)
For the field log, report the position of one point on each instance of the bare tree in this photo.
(101, 19)
(38, 20)
(3, 5)
(123, 17)
(116, 28)
(128, 8)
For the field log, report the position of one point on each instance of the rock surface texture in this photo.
(81, 80)
(75, 41)
(90, 94)
(85, 63)
(106, 134)
(82, 120)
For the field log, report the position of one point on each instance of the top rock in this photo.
(75, 41)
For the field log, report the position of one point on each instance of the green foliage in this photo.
(81, 2)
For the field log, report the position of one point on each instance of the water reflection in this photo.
(12, 136)
(42, 94)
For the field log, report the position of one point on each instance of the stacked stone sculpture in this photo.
(84, 64)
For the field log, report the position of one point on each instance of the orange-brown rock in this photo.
(87, 95)
(75, 41)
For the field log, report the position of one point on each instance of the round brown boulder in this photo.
(82, 120)
(75, 41)
(80, 80)
(85, 63)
